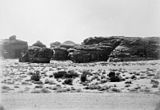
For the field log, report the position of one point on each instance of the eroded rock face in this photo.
(61, 49)
(89, 54)
(129, 48)
(133, 49)
(12, 47)
(60, 53)
(99, 51)
(37, 55)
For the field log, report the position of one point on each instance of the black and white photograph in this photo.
(79, 54)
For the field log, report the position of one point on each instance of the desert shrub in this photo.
(71, 74)
(60, 74)
(128, 82)
(155, 83)
(133, 77)
(83, 77)
(64, 74)
(114, 78)
(35, 76)
(68, 81)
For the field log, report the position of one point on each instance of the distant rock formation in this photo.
(61, 50)
(60, 53)
(37, 54)
(114, 48)
(12, 47)
(130, 48)
(90, 53)
(136, 48)
(39, 44)
(55, 44)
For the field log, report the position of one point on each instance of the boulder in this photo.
(12, 47)
(37, 55)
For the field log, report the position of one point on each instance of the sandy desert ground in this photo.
(81, 101)
(139, 89)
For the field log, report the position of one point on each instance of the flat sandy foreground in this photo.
(81, 101)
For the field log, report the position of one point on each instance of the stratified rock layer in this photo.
(129, 48)
(134, 49)
(94, 50)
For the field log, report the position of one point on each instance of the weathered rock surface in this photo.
(61, 49)
(134, 49)
(12, 47)
(99, 51)
(37, 55)
(114, 48)
(60, 53)
(129, 48)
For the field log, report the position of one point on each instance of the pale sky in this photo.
(61, 20)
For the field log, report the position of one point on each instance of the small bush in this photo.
(83, 77)
(114, 78)
(71, 74)
(60, 74)
(68, 81)
(35, 76)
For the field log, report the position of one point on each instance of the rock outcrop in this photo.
(37, 54)
(61, 50)
(39, 44)
(129, 48)
(86, 54)
(60, 53)
(93, 51)
(136, 48)
(12, 47)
